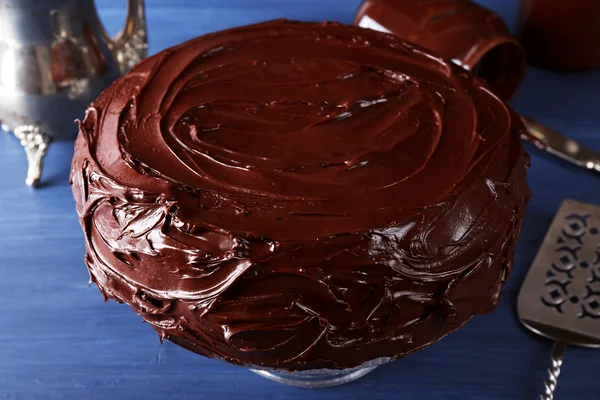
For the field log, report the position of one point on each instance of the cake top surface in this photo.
(338, 128)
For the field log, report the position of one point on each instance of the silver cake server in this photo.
(555, 143)
(560, 297)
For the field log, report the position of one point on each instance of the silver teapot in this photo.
(56, 58)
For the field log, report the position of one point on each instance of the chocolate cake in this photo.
(299, 195)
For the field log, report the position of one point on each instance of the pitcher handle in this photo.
(130, 46)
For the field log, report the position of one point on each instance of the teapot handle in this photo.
(130, 46)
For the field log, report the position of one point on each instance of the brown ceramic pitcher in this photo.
(561, 35)
(470, 35)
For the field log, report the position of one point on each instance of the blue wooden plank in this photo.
(58, 340)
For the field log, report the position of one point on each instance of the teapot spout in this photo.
(130, 46)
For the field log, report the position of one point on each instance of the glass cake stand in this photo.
(315, 378)
(319, 378)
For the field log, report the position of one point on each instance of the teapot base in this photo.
(35, 142)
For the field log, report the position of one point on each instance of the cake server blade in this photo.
(560, 297)
(561, 146)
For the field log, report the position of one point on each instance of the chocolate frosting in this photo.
(298, 195)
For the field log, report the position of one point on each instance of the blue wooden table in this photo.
(58, 340)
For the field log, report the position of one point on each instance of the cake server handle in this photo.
(553, 142)
(558, 351)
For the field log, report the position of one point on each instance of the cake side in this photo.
(298, 196)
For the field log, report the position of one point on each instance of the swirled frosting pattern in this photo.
(298, 195)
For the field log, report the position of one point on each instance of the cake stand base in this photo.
(314, 379)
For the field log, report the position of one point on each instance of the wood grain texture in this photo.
(58, 340)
